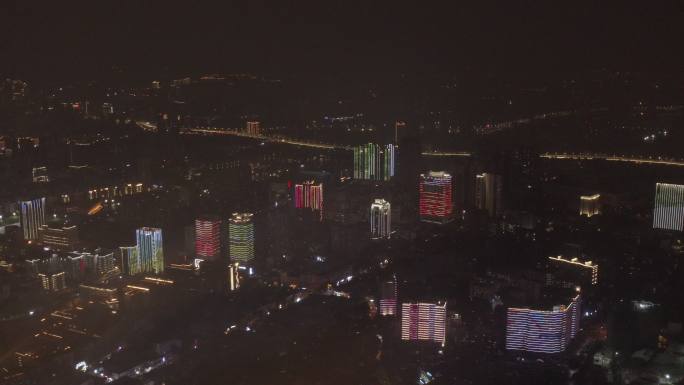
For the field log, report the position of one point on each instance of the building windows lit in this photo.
(380, 219)
(542, 331)
(32, 217)
(150, 249)
(435, 204)
(208, 238)
(309, 195)
(253, 128)
(590, 205)
(388, 297)
(424, 321)
(130, 261)
(241, 238)
(668, 213)
(374, 162)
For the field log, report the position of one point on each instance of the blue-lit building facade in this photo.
(150, 249)
(542, 331)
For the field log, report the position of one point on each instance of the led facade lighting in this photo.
(668, 213)
(208, 238)
(542, 331)
(572, 272)
(380, 219)
(150, 250)
(590, 205)
(241, 238)
(388, 297)
(233, 276)
(374, 162)
(309, 195)
(130, 260)
(435, 203)
(32, 217)
(424, 321)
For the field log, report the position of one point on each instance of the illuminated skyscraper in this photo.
(59, 238)
(435, 204)
(374, 162)
(253, 128)
(130, 261)
(150, 249)
(542, 331)
(241, 238)
(98, 263)
(668, 213)
(424, 321)
(233, 276)
(53, 282)
(590, 205)
(32, 217)
(488, 193)
(388, 297)
(380, 219)
(309, 195)
(208, 238)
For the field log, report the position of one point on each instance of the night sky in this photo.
(45, 40)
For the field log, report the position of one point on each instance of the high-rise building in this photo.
(374, 162)
(98, 263)
(668, 213)
(542, 331)
(488, 193)
(309, 195)
(233, 276)
(388, 297)
(590, 205)
(150, 249)
(380, 219)
(32, 217)
(40, 175)
(435, 201)
(570, 273)
(241, 238)
(53, 282)
(59, 238)
(424, 321)
(253, 128)
(208, 238)
(130, 260)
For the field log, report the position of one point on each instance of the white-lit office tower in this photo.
(241, 238)
(488, 193)
(53, 282)
(150, 250)
(130, 261)
(380, 219)
(590, 205)
(424, 321)
(253, 128)
(388, 297)
(233, 276)
(668, 211)
(32, 217)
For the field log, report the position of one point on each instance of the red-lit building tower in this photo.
(208, 238)
(435, 202)
(309, 195)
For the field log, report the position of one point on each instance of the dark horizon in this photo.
(80, 41)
